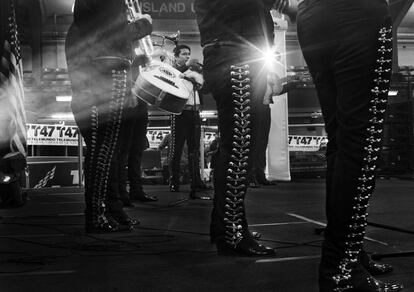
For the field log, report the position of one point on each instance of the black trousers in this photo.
(348, 48)
(185, 127)
(238, 85)
(132, 145)
(262, 139)
(99, 93)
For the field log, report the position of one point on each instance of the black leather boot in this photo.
(359, 280)
(374, 268)
(98, 223)
(248, 246)
(174, 184)
(140, 195)
(365, 284)
(122, 218)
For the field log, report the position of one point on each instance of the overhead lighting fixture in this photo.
(392, 92)
(64, 98)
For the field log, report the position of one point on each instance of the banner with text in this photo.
(48, 134)
(307, 143)
(168, 9)
(156, 135)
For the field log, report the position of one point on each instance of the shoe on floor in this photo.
(248, 246)
(142, 196)
(146, 198)
(122, 218)
(359, 281)
(374, 268)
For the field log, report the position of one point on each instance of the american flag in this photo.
(12, 112)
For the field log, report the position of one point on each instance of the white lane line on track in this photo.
(324, 225)
(307, 219)
(277, 223)
(287, 259)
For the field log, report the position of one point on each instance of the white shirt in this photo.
(194, 98)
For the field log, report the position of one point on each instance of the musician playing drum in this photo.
(99, 53)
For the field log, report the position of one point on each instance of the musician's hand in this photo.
(140, 28)
(274, 87)
(268, 97)
(147, 17)
(280, 5)
(288, 7)
(194, 77)
(275, 83)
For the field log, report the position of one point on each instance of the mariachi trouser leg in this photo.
(113, 199)
(126, 138)
(259, 165)
(97, 107)
(237, 87)
(179, 130)
(139, 144)
(351, 65)
(193, 142)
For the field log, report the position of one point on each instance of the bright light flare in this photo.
(269, 57)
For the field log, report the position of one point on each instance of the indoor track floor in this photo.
(43, 246)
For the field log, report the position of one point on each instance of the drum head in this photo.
(166, 78)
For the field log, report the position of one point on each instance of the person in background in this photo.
(165, 157)
(234, 36)
(347, 46)
(133, 143)
(99, 54)
(186, 127)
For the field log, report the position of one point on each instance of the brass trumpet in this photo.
(133, 14)
(175, 37)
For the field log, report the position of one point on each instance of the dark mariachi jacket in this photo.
(100, 28)
(235, 20)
